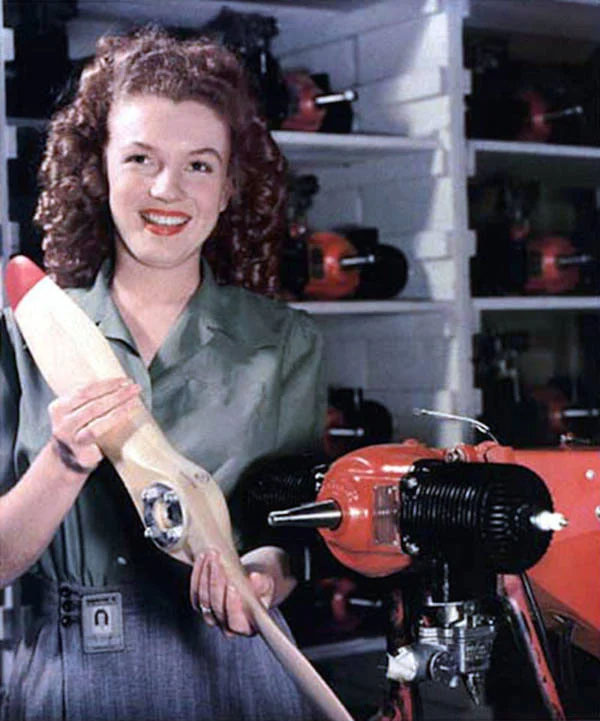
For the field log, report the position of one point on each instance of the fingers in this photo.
(238, 620)
(92, 402)
(96, 413)
(110, 417)
(89, 392)
(79, 418)
(219, 601)
(264, 587)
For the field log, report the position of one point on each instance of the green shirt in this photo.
(239, 376)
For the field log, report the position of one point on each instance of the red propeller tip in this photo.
(20, 277)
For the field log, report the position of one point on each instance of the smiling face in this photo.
(166, 166)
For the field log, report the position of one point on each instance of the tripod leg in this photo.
(513, 590)
(399, 706)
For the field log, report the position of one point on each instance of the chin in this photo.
(167, 261)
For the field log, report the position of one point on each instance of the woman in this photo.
(159, 159)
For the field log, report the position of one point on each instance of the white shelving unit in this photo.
(541, 303)
(329, 150)
(7, 604)
(7, 149)
(371, 307)
(553, 320)
(579, 166)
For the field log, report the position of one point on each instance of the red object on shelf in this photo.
(553, 265)
(309, 102)
(328, 279)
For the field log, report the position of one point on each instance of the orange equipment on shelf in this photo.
(553, 265)
(309, 102)
(333, 266)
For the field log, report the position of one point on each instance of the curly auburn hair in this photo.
(73, 210)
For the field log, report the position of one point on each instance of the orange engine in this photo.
(567, 579)
(382, 507)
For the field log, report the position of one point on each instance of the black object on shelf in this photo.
(249, 35)
(355, 422)
(516, 99)
(36, 77)
(386, 277)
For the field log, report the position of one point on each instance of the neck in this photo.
(155, 286)
(151, 299)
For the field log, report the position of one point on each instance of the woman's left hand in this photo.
(219, 601)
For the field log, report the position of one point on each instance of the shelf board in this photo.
(370, 307)
(329, 149)
(571, 19)
(567, 164)
(548, 302)
(315, 149)
(38, 123)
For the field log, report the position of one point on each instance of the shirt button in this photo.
(67, 606)
(65, 621)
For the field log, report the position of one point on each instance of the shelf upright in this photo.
(7, 595)
(551, 164)
(6, 136)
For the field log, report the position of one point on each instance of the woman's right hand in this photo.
(79, 418)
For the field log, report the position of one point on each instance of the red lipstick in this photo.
(164, 222)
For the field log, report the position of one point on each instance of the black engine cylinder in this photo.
(483, 509)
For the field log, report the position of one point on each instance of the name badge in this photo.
(102, 623)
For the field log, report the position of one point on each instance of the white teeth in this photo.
(157, 219)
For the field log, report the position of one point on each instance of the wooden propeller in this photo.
(181, 506)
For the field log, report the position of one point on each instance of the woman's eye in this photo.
(200, 166)
(137, 159)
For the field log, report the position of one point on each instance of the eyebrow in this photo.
(196, 151)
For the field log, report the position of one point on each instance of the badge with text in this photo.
(102, 623)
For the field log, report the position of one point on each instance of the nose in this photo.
(165, 186)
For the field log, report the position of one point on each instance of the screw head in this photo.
(412, 548)
(409, 483)
(150, 494)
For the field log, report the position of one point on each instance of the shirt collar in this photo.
(212, 308)
(97, 302)
(229, 310)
